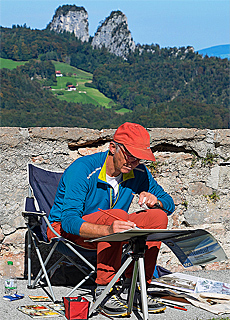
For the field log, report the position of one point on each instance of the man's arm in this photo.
(155, 193)
(90, 230)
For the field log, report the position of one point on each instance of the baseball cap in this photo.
(136, 139)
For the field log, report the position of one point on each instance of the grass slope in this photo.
(78, 78)
(65, 68)
(10, 64)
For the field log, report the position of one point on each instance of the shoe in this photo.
(112, 304)
(153, 305)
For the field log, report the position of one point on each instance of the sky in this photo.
(168, 23)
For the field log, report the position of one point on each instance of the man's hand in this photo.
(118, 226)
(148, 198)
(89, 230)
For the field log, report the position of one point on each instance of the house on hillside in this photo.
(71, 88)
(58, 74)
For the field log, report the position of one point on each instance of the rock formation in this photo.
(114, 35)
(73, 19)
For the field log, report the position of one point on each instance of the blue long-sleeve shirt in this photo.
(83, 189)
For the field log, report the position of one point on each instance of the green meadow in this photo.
(10, 64)
(123, 110)
(66, 68)
(78, 78)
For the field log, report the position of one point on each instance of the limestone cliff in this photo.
(73, 19)
(114, 35)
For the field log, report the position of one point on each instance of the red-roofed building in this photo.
(71, 88)
(58, 74)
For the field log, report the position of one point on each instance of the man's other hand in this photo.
(147, 198)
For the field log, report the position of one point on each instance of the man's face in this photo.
(123, 160)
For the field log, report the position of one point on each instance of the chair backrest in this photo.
(44, 185)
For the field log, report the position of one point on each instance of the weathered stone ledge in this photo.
(191, 164)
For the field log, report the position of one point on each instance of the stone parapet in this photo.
(191, 164)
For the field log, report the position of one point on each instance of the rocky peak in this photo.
(73, 19)
(114, 35)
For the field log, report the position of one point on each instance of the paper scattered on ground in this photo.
(38, 311)
(211, 304)
(59, 307)
(188, 283)
(213, 296)
(40, 298)
(206, 285)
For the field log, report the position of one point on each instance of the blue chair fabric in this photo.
(42, 189)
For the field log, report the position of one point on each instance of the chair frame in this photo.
(33, 239)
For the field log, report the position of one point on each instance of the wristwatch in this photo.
(159, 203)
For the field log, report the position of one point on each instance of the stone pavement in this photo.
(8, 310)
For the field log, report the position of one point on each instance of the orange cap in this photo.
(136, 139)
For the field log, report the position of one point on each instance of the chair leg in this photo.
(29, 258)
(80, 256)
(39, 277)
(52, 267)
(44, 270)
(78, 266)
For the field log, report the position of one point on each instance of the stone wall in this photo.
(191, 164)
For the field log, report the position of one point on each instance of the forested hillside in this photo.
(163, 87)
(22, 43)
(24, 103)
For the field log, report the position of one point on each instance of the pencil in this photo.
(112, 215)
(172, 305)
(175, 307)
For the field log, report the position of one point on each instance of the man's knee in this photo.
(155, 219)
(160, 217)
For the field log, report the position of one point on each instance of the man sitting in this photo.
(109, 180)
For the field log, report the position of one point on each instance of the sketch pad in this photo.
(191, 247)
(155, 234)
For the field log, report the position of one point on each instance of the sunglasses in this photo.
(127, 155)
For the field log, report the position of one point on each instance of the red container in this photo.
(76, 308)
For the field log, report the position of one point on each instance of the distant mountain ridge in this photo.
(113, 33)
(221, 51)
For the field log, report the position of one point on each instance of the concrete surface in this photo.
(8, 310)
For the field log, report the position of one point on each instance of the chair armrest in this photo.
(33, 213)
(50, 227)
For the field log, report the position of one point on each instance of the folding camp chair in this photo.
(42, 189)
